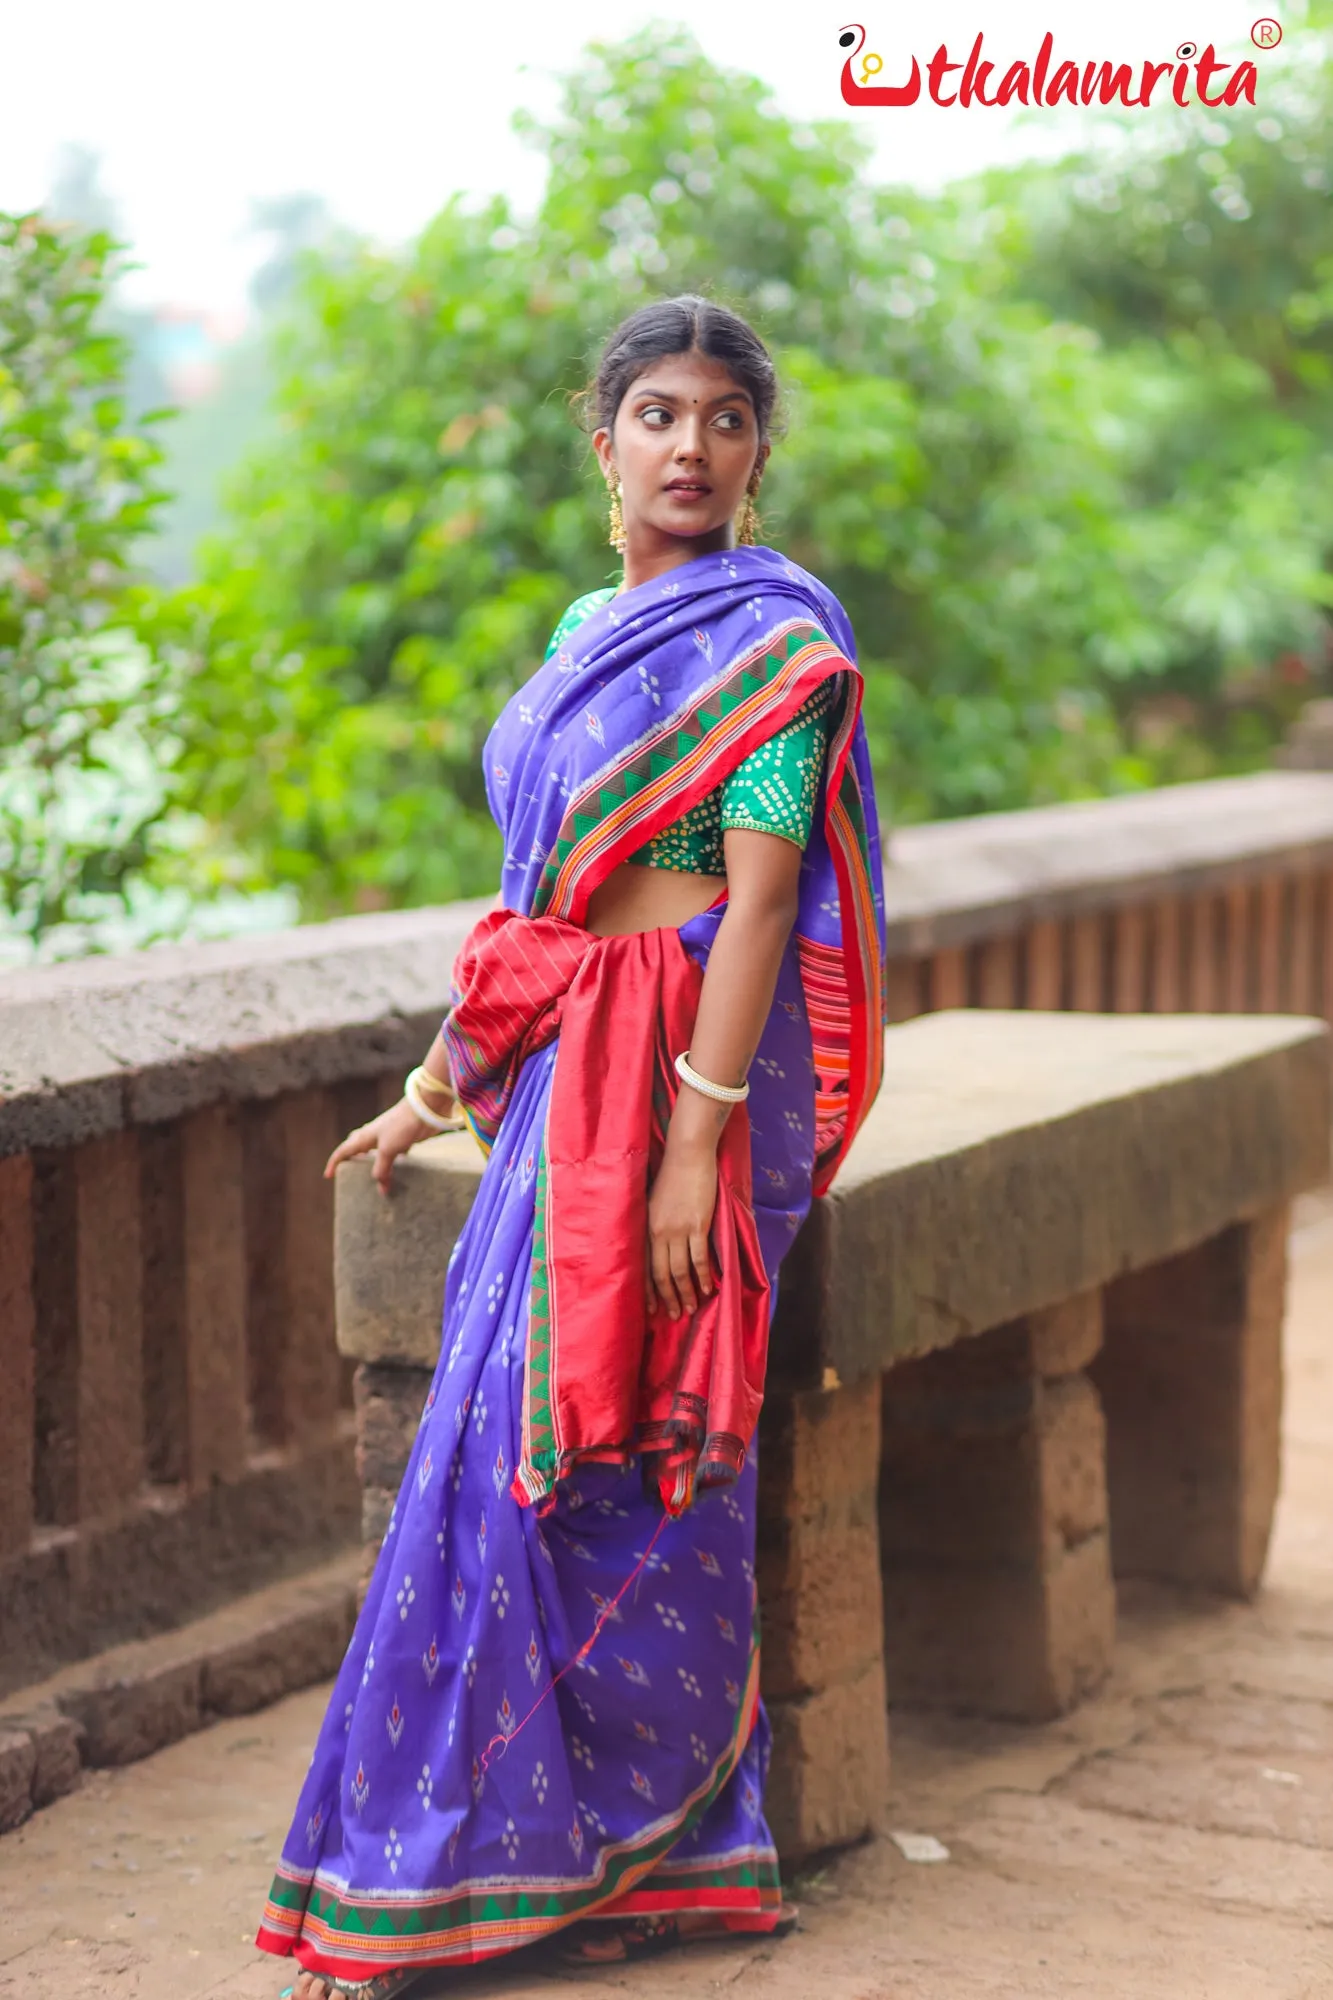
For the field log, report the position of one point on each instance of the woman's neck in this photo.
(646, 565)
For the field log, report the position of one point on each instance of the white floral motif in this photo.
(582, 1551)
(649, 685)
(430, 1663)
(708, 1563)
(481, 1538)
(499, 1473)
(584, 1706)
(582, 1754)
(689, 1683)
(424, 1471)
(456, 1476)
(730, 568)
(360, 1788)
(454, 1352)
(576, 1839)
(461, 1413)
(479, 1418)
(393, 1850)
(651, 1560)
(500, 775)
(500, 1596)
(369, 1666)
(540, 1783)
(425, 1786)
(756, 605)
(495, 1291)
(595, 729)
(470, 1665)
(606, 1505)
(394, 1722)
(525, 712)
(347, 1718)
(532, 1659)
(770, 1067)
(726, 1628)
(594, 1818)
(509, 1840)
(698, 1749)
(607, 1608)
(641, 1785)
(704, 641)
(505, 1718)
(459, 1598)
(670, 1617)
(407, 1597)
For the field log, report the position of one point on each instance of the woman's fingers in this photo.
(703, 1268)
(356, 1142)
(662, 1278)
(682, 1276)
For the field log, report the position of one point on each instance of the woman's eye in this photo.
(654, 411)
(730, 420)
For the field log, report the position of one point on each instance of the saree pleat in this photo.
(475, 1785)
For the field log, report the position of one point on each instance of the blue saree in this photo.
(483, 1776)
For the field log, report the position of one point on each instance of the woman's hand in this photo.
(392, 1133)
(678, 1268)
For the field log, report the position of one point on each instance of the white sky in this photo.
(387, 107)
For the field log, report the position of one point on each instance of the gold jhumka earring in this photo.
(745, 534)
(616, 523)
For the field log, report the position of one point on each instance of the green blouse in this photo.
(772, 791)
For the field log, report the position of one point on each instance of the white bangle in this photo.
(423, 1110)
(722, 1093)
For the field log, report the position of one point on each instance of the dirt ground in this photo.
(1173, 1838)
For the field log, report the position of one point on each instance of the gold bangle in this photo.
(426, 1080)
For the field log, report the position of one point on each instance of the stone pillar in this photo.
(389, 1399)
(997, 1581)
(18, 1339)
(819, 1593)
(1191, 1381)
(194, 1297)
(87, 1284)
(295, 1372)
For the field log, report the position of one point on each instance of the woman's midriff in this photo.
(635, 898)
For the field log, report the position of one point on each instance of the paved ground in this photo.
(1172, 1841)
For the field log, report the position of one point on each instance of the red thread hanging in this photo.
(582, 1653)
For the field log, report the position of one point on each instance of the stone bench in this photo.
(1030, 1342)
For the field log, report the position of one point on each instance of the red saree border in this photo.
(292, 1928)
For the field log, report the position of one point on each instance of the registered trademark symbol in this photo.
(1266, 32)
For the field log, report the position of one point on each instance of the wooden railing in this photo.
(175, 1423)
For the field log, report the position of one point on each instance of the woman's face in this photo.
(685, 442)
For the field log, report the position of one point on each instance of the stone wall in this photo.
(175, 1423)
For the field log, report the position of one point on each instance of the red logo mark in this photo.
(1039, 82)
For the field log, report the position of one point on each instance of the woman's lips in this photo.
(689, 489)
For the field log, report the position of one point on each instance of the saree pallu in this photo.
(458, 1804)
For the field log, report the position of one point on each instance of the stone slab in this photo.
(99, 1043)
(1014, 1160)
(955, 882)
(1104, 1142)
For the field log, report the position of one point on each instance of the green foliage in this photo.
(78, 490)
(1059, 439)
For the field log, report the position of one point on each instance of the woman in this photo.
(548, 1719)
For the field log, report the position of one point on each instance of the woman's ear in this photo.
(601, 444)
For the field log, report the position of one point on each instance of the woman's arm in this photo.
(398, 1128)
(763, 879)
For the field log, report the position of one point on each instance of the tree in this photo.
(79, 700)
(1021, 510)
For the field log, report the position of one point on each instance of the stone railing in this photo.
(175, 1424)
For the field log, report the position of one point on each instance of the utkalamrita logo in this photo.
(1035, 82)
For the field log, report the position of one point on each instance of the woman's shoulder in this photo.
(574, 614)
